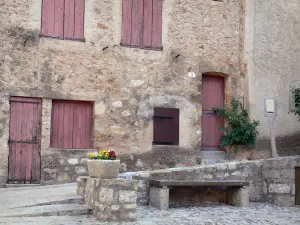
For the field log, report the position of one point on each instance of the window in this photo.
(72, 123)
(63, 19)
(166, 126)
(142, 24)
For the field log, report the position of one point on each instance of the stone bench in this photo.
(238, 193)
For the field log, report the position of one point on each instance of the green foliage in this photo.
(296, 99)
(240, 130)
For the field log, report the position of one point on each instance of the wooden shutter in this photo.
(63, 19)
(142, 24)
(82, 128)
(148, 13)
(52, 18)
(71, 124)
(79, 19)
(166, 126)
(157, 25)
(137, 23)
(126, 22)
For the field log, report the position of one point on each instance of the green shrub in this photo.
(240, 130)
(296, 98)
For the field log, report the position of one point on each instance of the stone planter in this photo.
(104, 169)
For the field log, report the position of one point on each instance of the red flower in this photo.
(112, 155)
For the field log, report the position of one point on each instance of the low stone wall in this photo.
(279, 180)
(63, 165)
(110, 199)
(271, 180)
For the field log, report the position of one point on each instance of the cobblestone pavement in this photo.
(255, 214)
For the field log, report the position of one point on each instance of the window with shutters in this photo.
(63, 19)
(71, 125)
(142, 24)
(166, 126)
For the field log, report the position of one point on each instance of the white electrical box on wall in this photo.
(270, 105)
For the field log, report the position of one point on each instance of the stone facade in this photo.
(271, 59)
(110, 199)
(125, 84)
(271, 180)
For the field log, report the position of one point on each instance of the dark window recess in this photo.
(72, 124)
(63, 19)
(297, 185)
(142, 24)
(166, 126)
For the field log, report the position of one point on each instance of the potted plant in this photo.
(103, 164)
(240, 132)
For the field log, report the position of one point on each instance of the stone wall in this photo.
(125, 84)
(271, 59)
(279, 180)
(110, 199)
(271, 180)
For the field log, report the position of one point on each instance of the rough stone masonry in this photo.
(125, 84)
(110, 199)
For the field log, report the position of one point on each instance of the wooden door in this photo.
(212, 96)
(24, 140)
(297, 185)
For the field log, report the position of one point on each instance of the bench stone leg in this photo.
(238, 196)
(159, 198)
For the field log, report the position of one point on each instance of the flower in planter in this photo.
(103, 154)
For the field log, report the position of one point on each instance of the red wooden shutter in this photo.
(74, 19)
(147, 32)
(69, 22)
(137, 23)
(83, 114)
(71, 124)
(166, 126)
(79, 19)
(47, 18)
(52, 18)
(157, 24)
(126, 22)
(62, 124)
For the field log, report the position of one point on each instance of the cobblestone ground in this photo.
(19, 201)
(256, 214)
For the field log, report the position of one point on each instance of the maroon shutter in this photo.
(82, 131)
(137, 22)
(52, 18)
(58, 18)
(126, 22)
(157, 24)
(79, 19)
(147, 32)
(47, 18)
(71, 124)
(166, 126)
(69, 22)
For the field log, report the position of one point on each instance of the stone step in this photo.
(74, 200)
(48, 210)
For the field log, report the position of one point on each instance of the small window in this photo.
(63, 19)
(142, 24)
(71, 125)
(166, 126)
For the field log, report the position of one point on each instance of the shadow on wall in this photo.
(161, 157)
(288, 145)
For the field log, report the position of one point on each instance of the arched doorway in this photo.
(213, 96)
